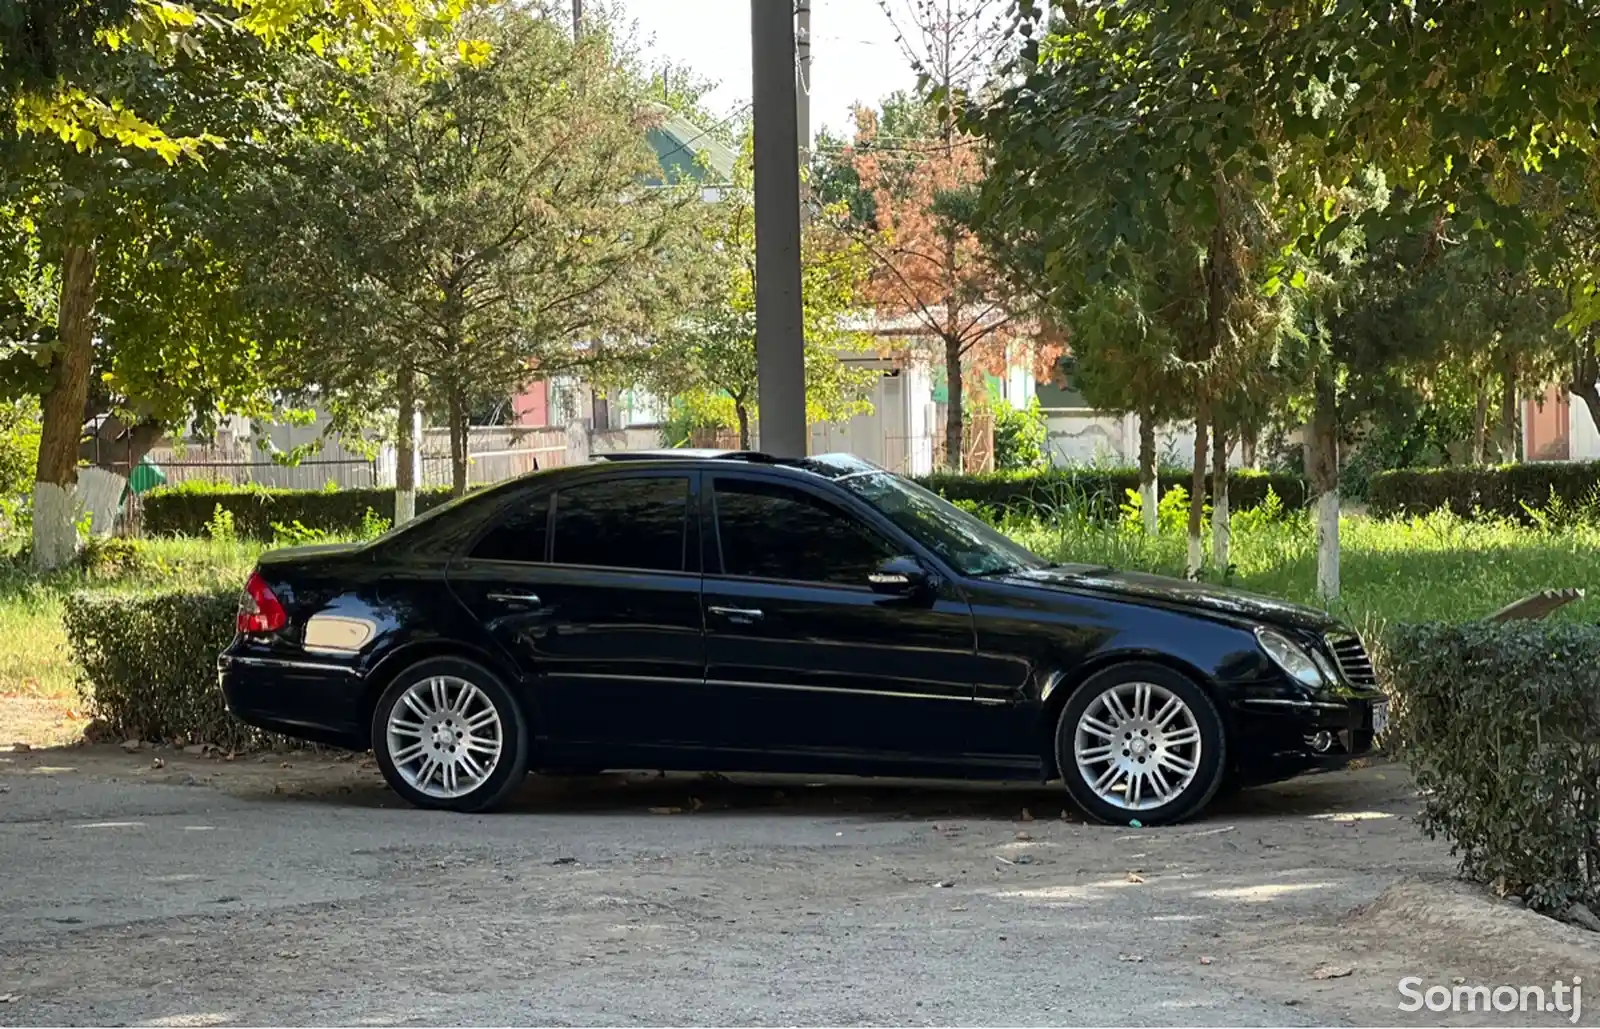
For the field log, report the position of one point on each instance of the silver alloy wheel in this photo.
(1137, 746)
(445, 737)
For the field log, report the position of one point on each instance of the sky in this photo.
(853, 52)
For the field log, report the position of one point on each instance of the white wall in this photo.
(1080, 436)
(1583, 438)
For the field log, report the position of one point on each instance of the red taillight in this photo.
(259, 609)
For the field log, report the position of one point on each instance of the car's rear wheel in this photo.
(1140, 743)
(448, 735)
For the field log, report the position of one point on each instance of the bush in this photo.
(1020, 437)
(1098, 493)
(252, 512)
(1502, 724)
(147, 664)
(1507, 491)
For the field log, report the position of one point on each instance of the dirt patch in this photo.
(40, 721)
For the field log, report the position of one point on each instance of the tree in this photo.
(708, 355)
(123, 281)
(491, 224)
(1095, 184)
(931, 271)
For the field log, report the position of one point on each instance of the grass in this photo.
(1437, 568)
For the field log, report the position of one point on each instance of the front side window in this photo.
(970, 545)
(635, 523)
(771, 531)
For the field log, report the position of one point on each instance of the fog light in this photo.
(1322, 742)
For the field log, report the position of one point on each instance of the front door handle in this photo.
(518, 599)
(738, 614)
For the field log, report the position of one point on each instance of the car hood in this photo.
(1164, 591)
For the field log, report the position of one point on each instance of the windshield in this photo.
(970, 545)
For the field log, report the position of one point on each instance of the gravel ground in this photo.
(295, 891)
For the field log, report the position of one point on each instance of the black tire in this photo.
(1210, 768)
(511, 768)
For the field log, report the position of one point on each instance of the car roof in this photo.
(830, 466)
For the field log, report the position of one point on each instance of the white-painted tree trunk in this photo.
(1221, 530)
(1221, 519)
(405, 505)
(1196, 558)
(1149, 476)
(55, 530)
(1328, 545)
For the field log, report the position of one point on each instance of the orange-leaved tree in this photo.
(931, 278)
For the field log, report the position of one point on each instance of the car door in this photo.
(803, 660)
(594, 589)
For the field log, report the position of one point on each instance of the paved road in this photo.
(140, 902)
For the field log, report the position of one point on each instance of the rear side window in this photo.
(635, 523)
(520, 536)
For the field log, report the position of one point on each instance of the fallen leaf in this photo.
(666, 811)
(286, 765)
(1204, 960)
(1027, 816)
(158, 763)
(1135, 877)
(5, 789)
(10, 998)
(288, 954)
(1332, 972)
(943, 884)
(1024, 836)
(1004, 860)
(1130, 957)
(1458, 980)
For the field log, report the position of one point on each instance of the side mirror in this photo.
(899, 577)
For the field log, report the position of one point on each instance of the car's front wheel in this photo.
(448, 735)
(1140, 743)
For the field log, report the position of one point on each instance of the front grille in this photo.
(1353, 660)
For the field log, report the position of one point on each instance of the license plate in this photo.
(1380, 717)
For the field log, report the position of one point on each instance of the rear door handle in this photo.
(518, 599)
(738, 614)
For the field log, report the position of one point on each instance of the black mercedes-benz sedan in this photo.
(737, 612)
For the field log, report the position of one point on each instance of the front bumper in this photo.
(1282, 736)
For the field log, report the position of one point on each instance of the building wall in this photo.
(1583, 438)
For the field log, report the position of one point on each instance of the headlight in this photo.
(1291, 657)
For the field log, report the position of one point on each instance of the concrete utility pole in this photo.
(577, 18)
(780, 326)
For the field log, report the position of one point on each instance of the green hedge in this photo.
(1501, 723)
(147, 664)
(1100, 492)
(1500, 491)
(185, 510)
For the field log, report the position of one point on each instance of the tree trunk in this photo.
(405, 446)
(1510, 422)
(55, 535)
(744, 424)
(1221, 520)
(1322, 468)
(1248, 438)
(1480, 425)
(953, 422)
(458, 442)
(1197, 494)
(1149, 476)
(1586, 380)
